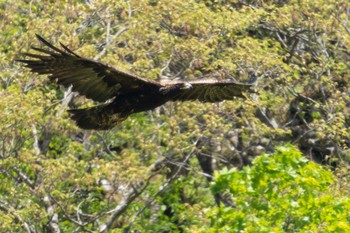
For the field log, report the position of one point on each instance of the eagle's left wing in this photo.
(212, 90)
(95, 80)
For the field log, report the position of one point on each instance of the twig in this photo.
(6, 207)
(24, 178)
(50, 209)
(160, 191)
(109, 41)
(128, 198)
(164, 68)
(36, 140)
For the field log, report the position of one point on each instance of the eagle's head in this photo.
(172, 89)
(185, 86)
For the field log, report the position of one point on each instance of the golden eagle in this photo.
(127, 93)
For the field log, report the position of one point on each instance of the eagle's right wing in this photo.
(212, 90)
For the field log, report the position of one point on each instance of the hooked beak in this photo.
(187, 86)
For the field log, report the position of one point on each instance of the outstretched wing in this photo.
(95, 80)
(212, 90)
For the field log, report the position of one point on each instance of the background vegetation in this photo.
(184, 167)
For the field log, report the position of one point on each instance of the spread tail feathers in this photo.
(98, 117)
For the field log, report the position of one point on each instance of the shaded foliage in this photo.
(152, 171)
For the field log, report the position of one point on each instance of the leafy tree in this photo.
(153, 171)
(283, 192)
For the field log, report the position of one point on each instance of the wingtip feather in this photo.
(69, 50)
(45, 42)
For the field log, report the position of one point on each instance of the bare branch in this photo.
(36, 140)
(109, 40)
(164, 68)
(127, 199)
(24, 178)
(50, 209)
(160, 190)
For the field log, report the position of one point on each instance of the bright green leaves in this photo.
(282, 192)
(299, 51)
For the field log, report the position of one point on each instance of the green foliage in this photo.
(51, 170)
(283, 192)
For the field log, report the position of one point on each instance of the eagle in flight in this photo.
(119, 92)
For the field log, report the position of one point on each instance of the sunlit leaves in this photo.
(280, 192)
(297, 49)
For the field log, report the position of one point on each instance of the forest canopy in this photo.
(188, 167)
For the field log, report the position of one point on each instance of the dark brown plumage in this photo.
(127, 93)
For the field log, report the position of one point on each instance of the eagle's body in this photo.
(108, 115)
(125, 92)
